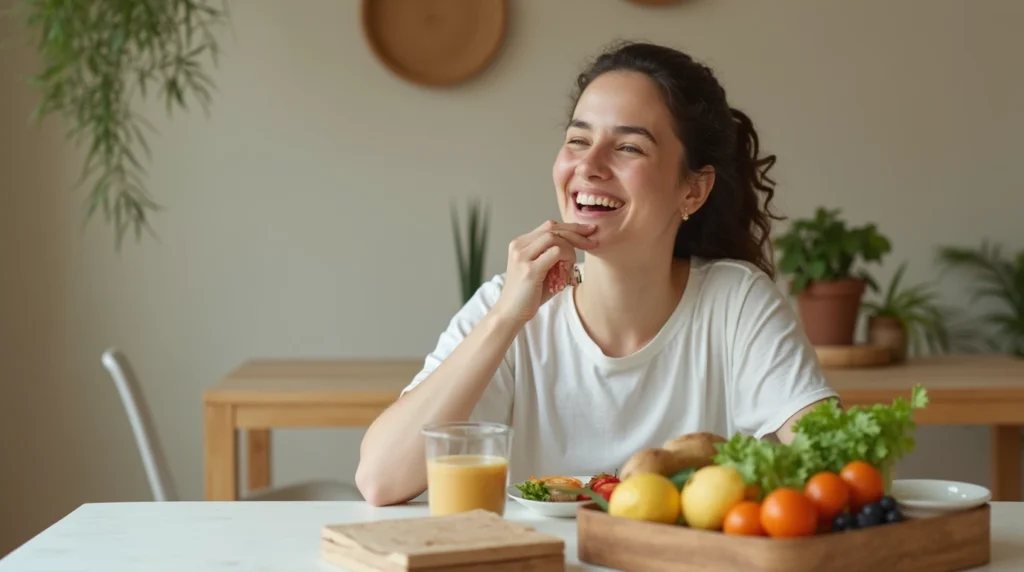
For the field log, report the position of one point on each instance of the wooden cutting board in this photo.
(472, 541)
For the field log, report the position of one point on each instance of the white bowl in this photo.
(552, 509)
(926, 498)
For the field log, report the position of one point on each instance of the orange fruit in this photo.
(829, 493)
(743, 519)
(787, 513)
(865, 483)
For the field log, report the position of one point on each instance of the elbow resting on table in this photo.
(377, 490)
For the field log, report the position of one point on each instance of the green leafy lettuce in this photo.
(827, 438)
(534, 490)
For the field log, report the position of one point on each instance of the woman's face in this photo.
(619, 167)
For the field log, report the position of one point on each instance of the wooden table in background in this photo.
(261, 395)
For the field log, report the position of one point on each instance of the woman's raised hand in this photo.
(548, 250)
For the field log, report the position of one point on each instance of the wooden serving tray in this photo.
(949, 543)
(474, 541)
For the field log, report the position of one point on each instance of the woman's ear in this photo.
(697, 188)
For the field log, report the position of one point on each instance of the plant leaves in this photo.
(96, 58)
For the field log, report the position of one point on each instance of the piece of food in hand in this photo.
(558, 277)
(710, 494)
(698, 448)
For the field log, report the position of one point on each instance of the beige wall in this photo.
(308, 216)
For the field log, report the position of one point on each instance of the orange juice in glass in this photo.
(467, 466)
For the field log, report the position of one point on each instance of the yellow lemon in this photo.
(646, 496)
(709, 494)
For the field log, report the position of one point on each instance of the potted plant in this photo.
(470, 259)
(1001, 280)
(821, 254)
(98, 59)
(908, 318)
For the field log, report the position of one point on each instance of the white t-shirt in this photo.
(731, 358)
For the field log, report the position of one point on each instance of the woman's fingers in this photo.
(548, 259)
(565, 238)
(548, 226)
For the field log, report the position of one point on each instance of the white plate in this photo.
(925, 498)
(551, 509)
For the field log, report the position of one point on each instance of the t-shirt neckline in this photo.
(667, 332)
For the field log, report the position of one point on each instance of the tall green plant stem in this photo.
(470, 258)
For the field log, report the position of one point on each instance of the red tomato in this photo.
(829, 493)
(609, 480)
(605, 489)
(865, 483)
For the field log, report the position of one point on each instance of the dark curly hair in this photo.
(734, 222)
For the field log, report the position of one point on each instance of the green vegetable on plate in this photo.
(534, 490)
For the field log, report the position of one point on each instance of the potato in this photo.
(659, 461)
(695, 449)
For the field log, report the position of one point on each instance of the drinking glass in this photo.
(467, 466)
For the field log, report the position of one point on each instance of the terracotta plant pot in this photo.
(888, 332)
(829, 310)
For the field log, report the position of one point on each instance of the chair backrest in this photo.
(141, 419)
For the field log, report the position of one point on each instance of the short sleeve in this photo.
(775, 369)
(495, 404)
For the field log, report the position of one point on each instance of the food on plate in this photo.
(534, 490)
(709, 495)
(603, 485)
(646, 496)
(833, 476)
(560, 488)
(788, 513)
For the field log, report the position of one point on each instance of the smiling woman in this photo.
(678, 327)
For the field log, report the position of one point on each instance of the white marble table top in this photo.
(284, 536)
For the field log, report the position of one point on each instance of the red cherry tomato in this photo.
(605, 489)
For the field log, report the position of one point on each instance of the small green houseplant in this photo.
(907, 319)
(470, 259)
(821, 254)
(1001, 279)
(98, 58)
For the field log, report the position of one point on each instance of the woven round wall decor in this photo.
(435, 42)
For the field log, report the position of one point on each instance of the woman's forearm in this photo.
(392, 461)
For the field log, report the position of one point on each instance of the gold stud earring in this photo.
(686, 217)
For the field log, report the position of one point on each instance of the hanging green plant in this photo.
(97, 57)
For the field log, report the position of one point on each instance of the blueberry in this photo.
(888, 503)
(870, 518)
(874, 511)
(842, 522)
(893, 516)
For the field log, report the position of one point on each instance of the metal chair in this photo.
(154, 460)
